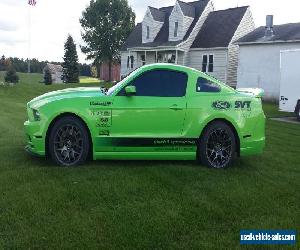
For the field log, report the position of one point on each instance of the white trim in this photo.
(148, 9)
(173, 10)
(267, 42)
(231, 41)
(213, 48)
(196, 25)
(289, 50)
(153, 49)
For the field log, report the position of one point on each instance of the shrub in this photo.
(11, 75)
(47, 77)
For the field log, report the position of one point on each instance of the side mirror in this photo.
(130, 90)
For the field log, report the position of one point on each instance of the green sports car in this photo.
(158, 112)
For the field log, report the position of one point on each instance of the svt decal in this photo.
(243, 105)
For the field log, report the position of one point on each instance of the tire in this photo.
(297, 110)
(217, 146)
(69, 142)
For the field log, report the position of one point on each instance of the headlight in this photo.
(36, 115)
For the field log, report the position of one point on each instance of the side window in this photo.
(204, 63)
(211, 63)
(176, 29)
(208, 63)
(148, 32)
(204, 85)
(130, 62)
(160, 83)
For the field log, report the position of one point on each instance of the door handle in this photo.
(175, 107)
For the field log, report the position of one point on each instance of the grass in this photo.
(144, 204)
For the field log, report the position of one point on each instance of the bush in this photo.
(47, 77)
(11, 75)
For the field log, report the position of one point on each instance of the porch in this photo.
(135, 58)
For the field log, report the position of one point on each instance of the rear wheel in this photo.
(69, 142)
(217, 147)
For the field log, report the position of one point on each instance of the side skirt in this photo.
(181, 156)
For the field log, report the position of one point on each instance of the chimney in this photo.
(269, 26)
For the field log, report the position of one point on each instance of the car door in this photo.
(156, 111)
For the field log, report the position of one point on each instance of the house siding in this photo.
(259, 67)
(194, 60)
(246, 26)
(155, 27)
(183, 23)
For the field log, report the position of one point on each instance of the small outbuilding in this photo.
(56, 72)
(259, 56)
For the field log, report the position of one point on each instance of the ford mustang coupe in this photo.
(158, 112)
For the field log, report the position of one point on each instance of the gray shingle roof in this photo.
(162, 38)
(282, 33)
(157, 14)
(187, 9)
(219, 28)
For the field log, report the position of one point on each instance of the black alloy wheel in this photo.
(217, 147)
(69, 142)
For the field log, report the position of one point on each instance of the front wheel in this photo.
(69, 142)
(217, 147)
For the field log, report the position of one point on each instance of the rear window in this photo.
(204, 85)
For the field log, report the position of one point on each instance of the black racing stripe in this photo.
(146, 142)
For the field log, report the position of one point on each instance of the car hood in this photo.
(64, 94)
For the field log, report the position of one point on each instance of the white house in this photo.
(56, 72)
(191, 34)
(259, 56)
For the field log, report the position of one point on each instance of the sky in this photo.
(52, 20)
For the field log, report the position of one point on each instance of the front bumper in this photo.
(34, 139)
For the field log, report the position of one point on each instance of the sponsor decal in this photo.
(221, 105)
(244, 105)
(104, 104)
(104, 133)
(102, 118)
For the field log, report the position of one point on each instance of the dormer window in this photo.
(176, 29)
(148, 32)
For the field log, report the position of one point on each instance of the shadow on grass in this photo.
(238, 164)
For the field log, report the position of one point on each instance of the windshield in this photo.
(119, 84)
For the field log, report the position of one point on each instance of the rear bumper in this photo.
(254, 147)
(34, 139)
(254, 144)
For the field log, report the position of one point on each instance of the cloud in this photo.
(52, 20)
(8, 26)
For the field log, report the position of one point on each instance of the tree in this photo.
(11, 75)
(47, 77)
(5, 63)
(71, 65)
(106, 25)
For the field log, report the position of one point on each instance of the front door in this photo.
(153, 116)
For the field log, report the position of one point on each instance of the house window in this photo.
(143, 59)
(148, 32)
(208, 63)
(130, 62)
(176, 29)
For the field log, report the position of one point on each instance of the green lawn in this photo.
(144, 204)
